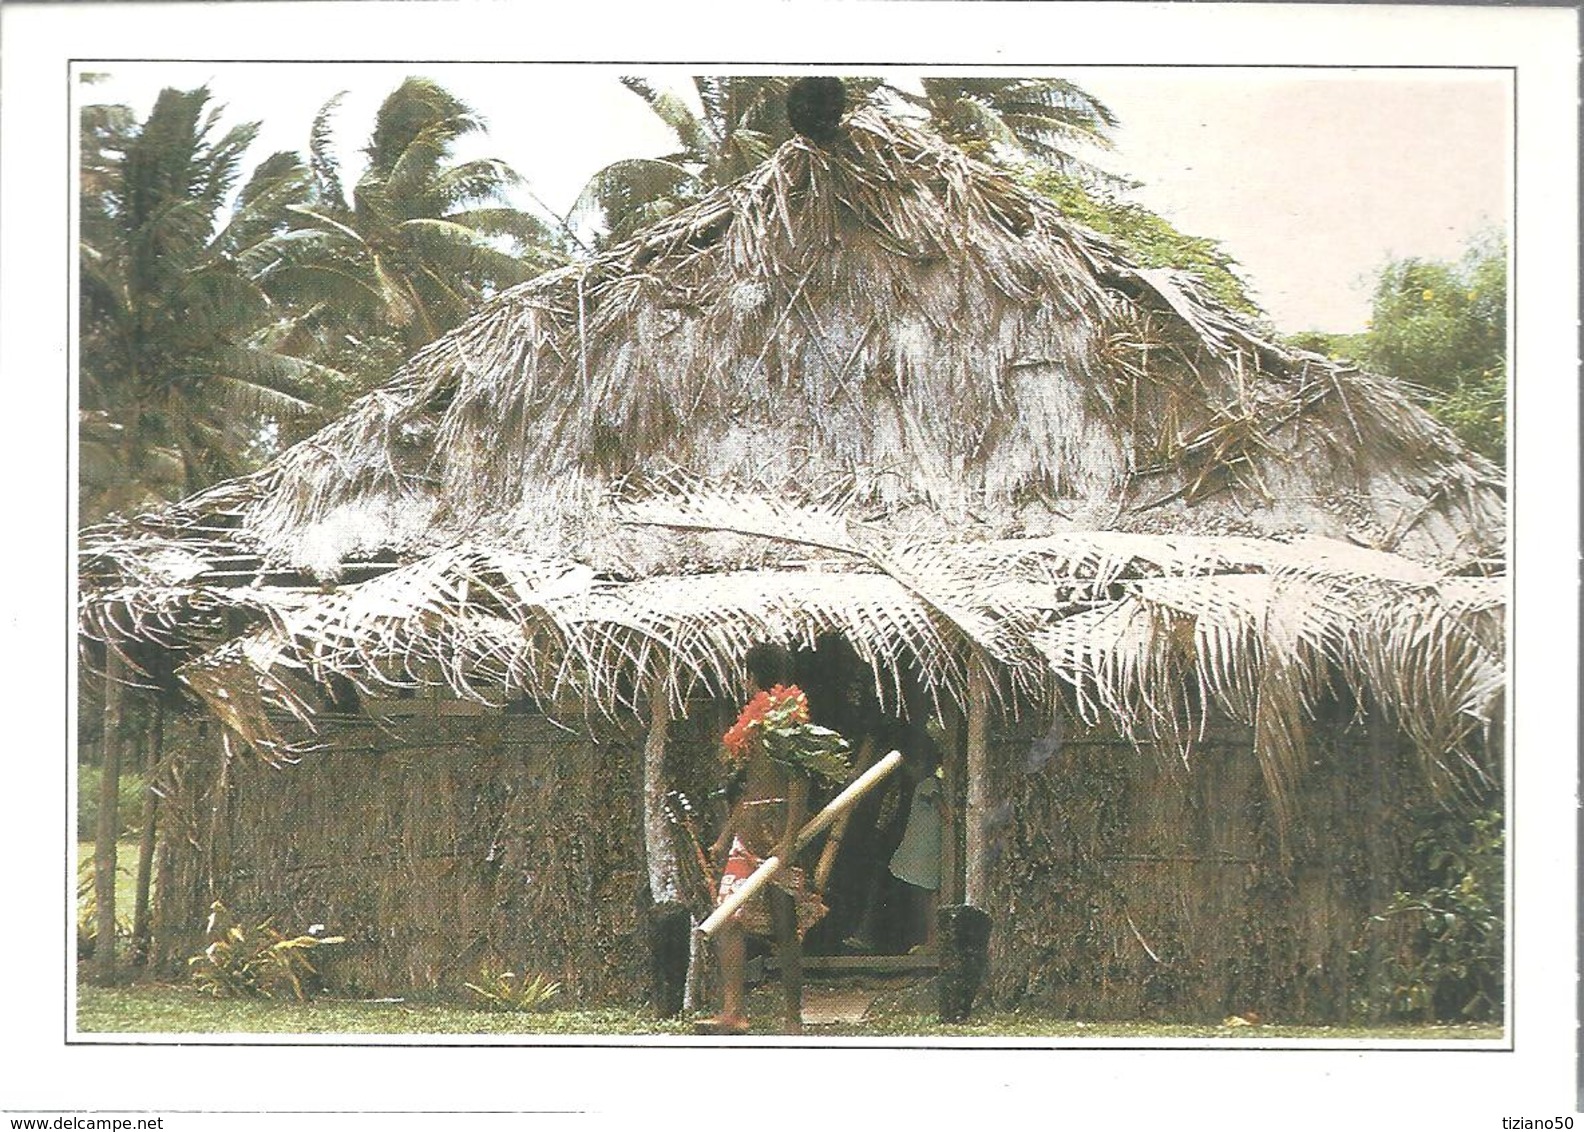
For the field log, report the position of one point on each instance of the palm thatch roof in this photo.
(873, 388)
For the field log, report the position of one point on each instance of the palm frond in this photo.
(417, 122)
(994, 620)
(473, 182)
(280, 379)
(339, 288)
(413, 182)
(221, 167)
(254, 399)
(454, 247)
(329, 193)
(630, 194)
(295, 247)
(1264, 647)
(327, 222)
(691, 131)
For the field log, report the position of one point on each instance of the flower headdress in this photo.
(777, 722)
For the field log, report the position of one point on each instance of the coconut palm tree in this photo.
(177, 368)
(419, 240)
(740, 119)
(1046, 120)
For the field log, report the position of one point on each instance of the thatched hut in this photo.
(1190, 617)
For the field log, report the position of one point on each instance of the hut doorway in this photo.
(872, 909)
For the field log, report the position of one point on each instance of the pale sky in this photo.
(1311, 179)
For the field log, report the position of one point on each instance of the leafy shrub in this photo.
(88, 912)
(1441, 326)
(509, 991)
(256, 964)
(1442, 943)
(1148, 238)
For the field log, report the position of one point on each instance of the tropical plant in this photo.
(1044, 120)
(177, 369)
(416, 244)
(1441, 326)
(741, 119)
(88, 912)
(507, 990)
(257, 964)
(1444, 936)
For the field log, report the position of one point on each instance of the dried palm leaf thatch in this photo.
(872, 388)
(879, 319)
(1436, 666)
(472, 624)
(995, 614)
(1263, 647)
(243, 686)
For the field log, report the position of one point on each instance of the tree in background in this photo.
(741, 119)
(1442, 327)
(739, 122)
(1149, 238)
(176, 367)
(1044, 120)
(218, 324)
(419, 241)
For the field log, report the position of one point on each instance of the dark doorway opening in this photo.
(871, 910)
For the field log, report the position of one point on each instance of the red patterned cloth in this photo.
(754, 916)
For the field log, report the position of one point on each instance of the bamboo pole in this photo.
(659, 849)
(768, 868)
(105, 835)
(827, 860)
(976, 873)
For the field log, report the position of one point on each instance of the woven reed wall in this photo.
(445, 843)
(1127, 886)
(436, 845)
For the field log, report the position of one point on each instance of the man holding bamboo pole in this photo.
(779, 753)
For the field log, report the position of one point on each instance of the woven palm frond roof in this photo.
(1147, 634)
(880, 320)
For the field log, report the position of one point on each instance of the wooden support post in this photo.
(976, 873)
(951, 888)
(105, 835)
(659, 847)
(145, 865)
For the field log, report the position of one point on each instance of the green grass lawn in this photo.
(166, 1009)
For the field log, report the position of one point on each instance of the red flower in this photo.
(737, 737)
(781, 706)
(790, 699)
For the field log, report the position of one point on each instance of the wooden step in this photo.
(865, 964)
